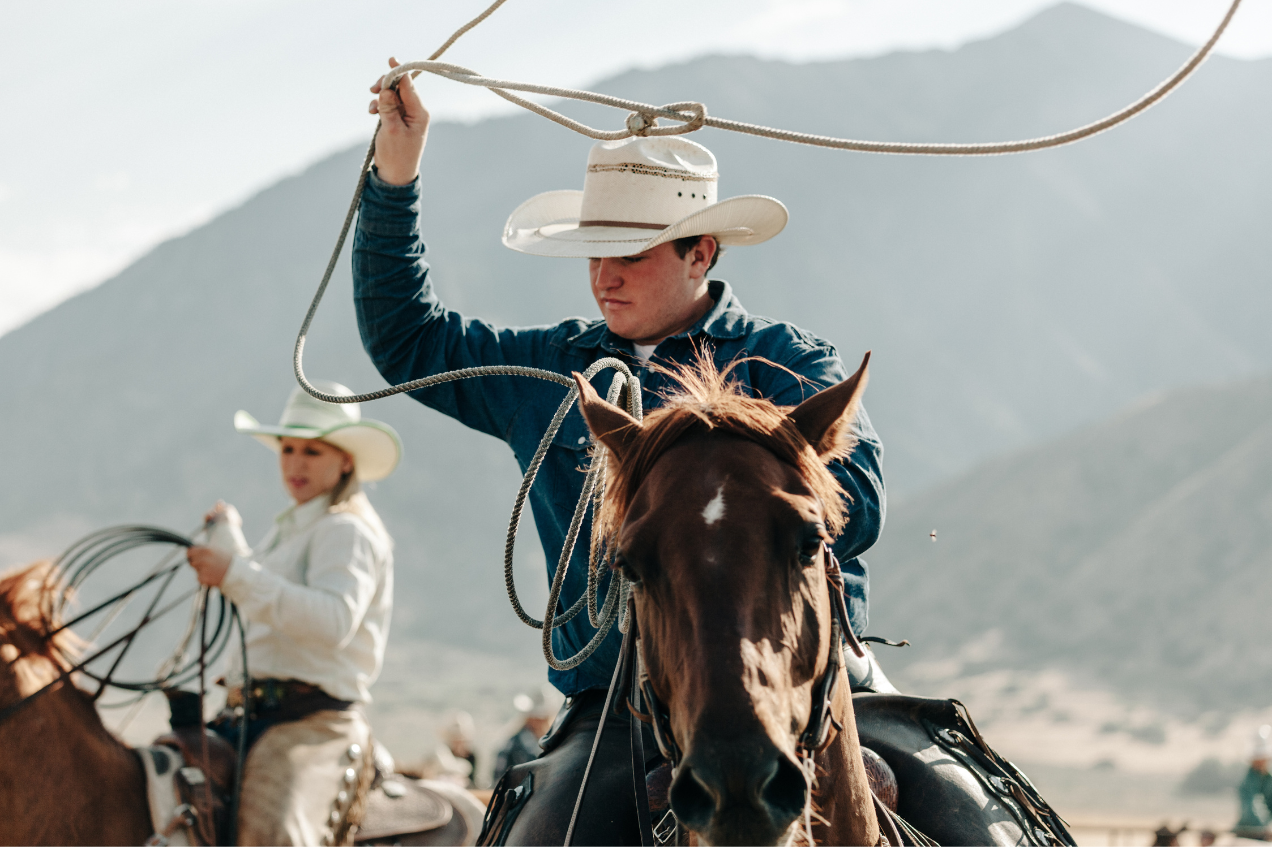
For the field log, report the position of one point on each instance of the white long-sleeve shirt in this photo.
(317, 594)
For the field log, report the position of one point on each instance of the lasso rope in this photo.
(642, 120)
(691, 116)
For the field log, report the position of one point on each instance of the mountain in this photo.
(1007, 299)
(1136, 553)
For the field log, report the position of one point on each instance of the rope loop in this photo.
(695, 119)
(641, 120)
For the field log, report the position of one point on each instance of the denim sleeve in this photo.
(409, 334)
(860, 474)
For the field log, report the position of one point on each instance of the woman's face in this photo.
(311, 467)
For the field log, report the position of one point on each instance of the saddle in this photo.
(399, 806)
(916, 738)
(189, 802)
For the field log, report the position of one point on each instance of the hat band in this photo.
(630, 224)
(645, 169)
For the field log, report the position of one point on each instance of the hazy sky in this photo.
(130, 121)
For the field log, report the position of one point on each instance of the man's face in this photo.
(652, 295)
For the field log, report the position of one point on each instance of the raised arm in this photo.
(404, 327)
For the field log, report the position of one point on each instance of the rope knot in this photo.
(640, 123)
(645, 124)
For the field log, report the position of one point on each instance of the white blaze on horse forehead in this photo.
(715, 509)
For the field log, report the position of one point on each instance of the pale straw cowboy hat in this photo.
(639, 193)
(374, 446)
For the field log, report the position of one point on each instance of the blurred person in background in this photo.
(317, 594)
(536, 713)
(1255, 791)
(459, 735)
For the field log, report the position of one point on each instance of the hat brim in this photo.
(548, 225)
(375, 447)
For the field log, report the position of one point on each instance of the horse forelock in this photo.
(708, 401)
(27, 620)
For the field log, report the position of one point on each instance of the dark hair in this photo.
(684, 245)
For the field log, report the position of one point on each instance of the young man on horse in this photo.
(649, 223)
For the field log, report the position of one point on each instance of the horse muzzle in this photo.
(738, 794)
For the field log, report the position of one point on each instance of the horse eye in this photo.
(810, 544)
(625, 568)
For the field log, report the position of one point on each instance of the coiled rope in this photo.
(642, 120)
(79, 563)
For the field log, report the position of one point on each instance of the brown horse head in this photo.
(721, 505)
(64, 779)
(32, 653)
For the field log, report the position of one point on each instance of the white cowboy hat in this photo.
(374, 446)
(639, 193)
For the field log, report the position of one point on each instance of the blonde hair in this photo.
(348, 497)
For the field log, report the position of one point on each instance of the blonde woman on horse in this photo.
(316, 593)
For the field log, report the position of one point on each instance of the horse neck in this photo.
(64, 779)
(842, 794)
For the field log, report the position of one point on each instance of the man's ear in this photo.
(824, 418)
(613, 427)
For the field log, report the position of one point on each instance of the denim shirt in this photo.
(409, 334)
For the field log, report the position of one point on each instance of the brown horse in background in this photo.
(722, 506)
(64, 779)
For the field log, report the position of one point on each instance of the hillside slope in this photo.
(1137, 552)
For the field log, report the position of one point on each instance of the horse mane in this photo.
(25, 618)
(708, 400)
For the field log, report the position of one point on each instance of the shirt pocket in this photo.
(570, 456)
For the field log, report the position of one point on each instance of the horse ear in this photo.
(824, 418)
(613, 427)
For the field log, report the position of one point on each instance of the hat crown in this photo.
(655, 180)
(305, 410)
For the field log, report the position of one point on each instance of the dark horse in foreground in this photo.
(722, 509)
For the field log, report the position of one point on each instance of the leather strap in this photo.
(638, 780)
(887, 826)
(596, 742)
(627, 661)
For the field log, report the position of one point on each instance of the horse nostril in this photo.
(692, 803)
(784, 792)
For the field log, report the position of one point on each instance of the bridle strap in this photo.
(817, 734)
(630, 658)
(600, 730)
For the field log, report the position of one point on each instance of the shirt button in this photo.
(582, 439)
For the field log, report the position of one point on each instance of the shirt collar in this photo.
(725, 319)
(298, 518)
